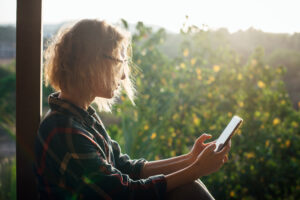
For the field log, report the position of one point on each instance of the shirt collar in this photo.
(66, 107)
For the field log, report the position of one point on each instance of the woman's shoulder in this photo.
(54, 120)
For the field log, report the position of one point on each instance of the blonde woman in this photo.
(75, 156)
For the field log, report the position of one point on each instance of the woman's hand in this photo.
(199, 146)
(210, 161)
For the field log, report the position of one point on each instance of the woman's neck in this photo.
(75, 99)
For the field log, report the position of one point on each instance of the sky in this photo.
(278, 16)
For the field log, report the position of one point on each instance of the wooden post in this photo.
(28, 93)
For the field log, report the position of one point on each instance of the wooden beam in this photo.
(28, 93)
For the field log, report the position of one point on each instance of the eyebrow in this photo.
(115, 59)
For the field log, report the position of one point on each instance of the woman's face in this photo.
(118, 67)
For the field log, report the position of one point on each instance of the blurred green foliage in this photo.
(8, 178)
(7, 129)
(198, 92)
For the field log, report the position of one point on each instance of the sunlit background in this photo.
(276, 16)
(201, 62)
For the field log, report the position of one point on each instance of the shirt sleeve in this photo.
(101, 179)
(123, 162)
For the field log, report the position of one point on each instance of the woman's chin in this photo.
(110, 95)
(106, 96)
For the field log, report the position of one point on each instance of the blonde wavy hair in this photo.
(85, 53)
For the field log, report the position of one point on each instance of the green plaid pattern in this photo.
(77, 159)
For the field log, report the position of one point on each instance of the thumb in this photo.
(210, 147)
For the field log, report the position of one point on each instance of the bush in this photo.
(199, 91)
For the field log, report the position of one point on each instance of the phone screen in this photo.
(227, 132)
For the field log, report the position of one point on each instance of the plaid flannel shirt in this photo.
(77, 159)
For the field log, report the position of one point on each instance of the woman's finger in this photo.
(224, 151)
(203, 137)
(206, 144)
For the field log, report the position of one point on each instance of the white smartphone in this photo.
(230, 129)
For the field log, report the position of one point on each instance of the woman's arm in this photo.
(166, 166)
(170, 165)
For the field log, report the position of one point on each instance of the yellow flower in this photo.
(173, 153)
(209, 95)
(241, 104)
(294, 124)
(276, 121)
(122, 98)
(196, 120)
(173, 134)
(216, 68)
(212, 127)
(267, 143)
(278, 71)
(232, 194)
(282, 102)
(193, 61)
(211, 79)
(175, 116)
(261, 84)
(153, 136)
(257, 114)
(146, 127)
(199, 77)
(156, 157)
(229, 114)
(240, 76)
(162, 137)
(239, 132)
(287, 143)
(182, 65)
(250, 155)
(185, 52)
(198, 71)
